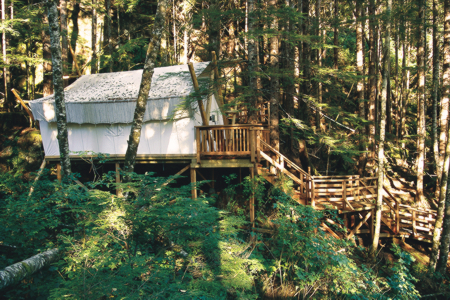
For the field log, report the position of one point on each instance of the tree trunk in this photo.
(420, 163)
(94, 68)
(336, 35)
(64, 41)
(443, 186)
(144, 89)
(274, 82)
(17, 272)
(252, 63)
(405, 89)
(386, 73)
(47, 65)
(306, 63)
(75, 33)
(58, 86)
(360, 85)
(441, 265)
(214, 28)
(6, 79)
(108, 34)
(437, 158)
(373, 55)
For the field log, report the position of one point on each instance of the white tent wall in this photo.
(157, 137)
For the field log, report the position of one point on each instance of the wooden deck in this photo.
(353, 197)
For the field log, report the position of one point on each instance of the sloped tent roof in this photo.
(89, 99)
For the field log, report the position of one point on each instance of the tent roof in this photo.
(88, 99)
(173, 81)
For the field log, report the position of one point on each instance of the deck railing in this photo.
(229, 140)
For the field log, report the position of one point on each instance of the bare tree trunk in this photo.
(252, 62)
(108, 33)
(445, 171)
(420, 163)
(144, 89)
(437, 158)
(47, 65)
(373, 41)
(444, 207)
(386, 73)
(64, 41)
(360, 84)
(6, 82)
(306, 62)
(274, 82)
(94, 69)
(336, 35)
(405, 91)
(60, 105)
(17, 272)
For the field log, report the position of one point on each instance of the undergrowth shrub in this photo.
(158, 243)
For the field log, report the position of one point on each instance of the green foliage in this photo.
(156, 242)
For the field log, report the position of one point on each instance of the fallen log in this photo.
(15, 273)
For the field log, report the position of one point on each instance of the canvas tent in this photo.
(100, 109)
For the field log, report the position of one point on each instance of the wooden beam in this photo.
(194, 184)
(349, 236)
(118, 190)
(329, 230)
(218, 92)
(58, 172)
(203, 177)
(252, 200)
(23, 104)
(201, 107)
(41, 169)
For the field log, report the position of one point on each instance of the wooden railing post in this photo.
(307, 190)
(252, 144)
(397, 217)
(197, 132)
(258, 145)
(313, 193)
(344, 193)
(414, 223)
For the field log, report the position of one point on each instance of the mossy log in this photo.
(15, 273)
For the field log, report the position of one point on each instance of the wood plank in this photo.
(328, 229)
(201, 108)
(349, 236)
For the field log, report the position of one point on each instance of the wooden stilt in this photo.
(252, 200)
(371, 223)
(58, 172)
(194, 183)
(118, 190)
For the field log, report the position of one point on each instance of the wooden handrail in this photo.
(293, 165)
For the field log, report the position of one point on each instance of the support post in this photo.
(258, 145)
(194, 183)
(372, 232)
(23, 105)
(397, 218)
(58, 171)
(252, 199)
(414, 223)
(344, 194)
(252, 144)
(218, 91)
(201, 107)
(118, 190)
(197, 131)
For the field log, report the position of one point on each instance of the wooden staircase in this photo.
(353, 197)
